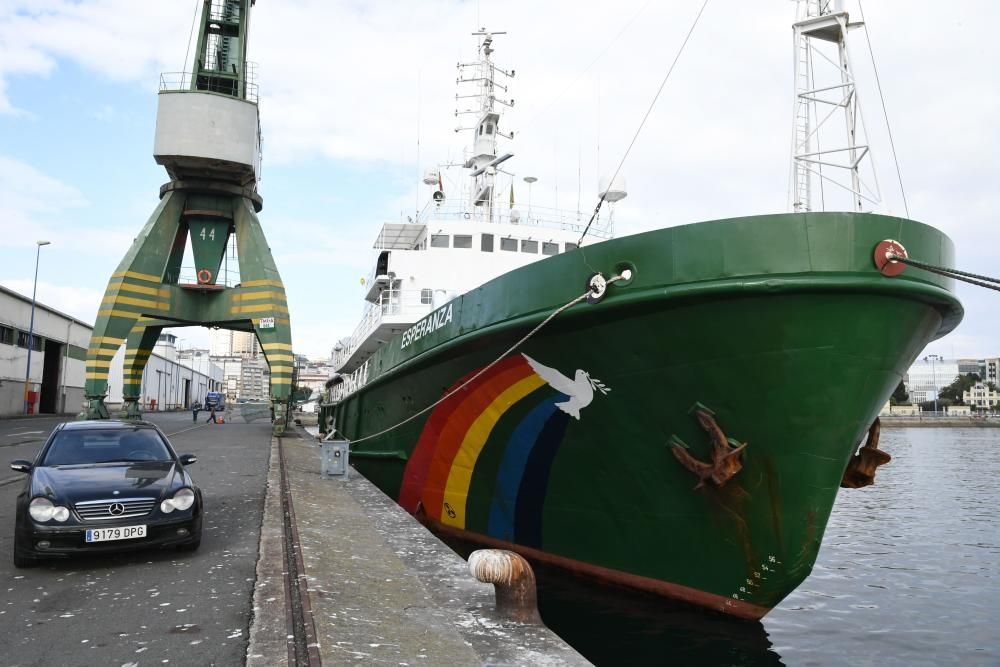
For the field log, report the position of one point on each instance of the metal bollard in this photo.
(513, 581)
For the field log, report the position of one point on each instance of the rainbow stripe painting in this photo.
(483, 459)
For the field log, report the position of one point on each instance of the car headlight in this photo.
(181, 500)
(42, 509)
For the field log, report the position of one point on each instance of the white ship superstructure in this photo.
(463, 239)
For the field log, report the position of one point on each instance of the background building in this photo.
(226, 343)
(58, 356)
(991, 370)
(981, 397)
(986, 369)
(172, 378)
(313, 374)
(255, 380)
(927, 377)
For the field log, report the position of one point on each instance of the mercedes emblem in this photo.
(116, 509)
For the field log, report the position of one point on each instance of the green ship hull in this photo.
(780, 327)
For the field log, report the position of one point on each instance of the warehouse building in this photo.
(55, 380)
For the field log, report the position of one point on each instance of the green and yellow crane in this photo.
(208, 140)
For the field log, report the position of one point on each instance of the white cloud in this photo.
(78, 302)
(35, 206)
(347, 84)
(30, 202)
(111, 37)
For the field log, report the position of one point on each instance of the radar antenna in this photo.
(488, 81)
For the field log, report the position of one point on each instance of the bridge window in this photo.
(508, 244)
(6, 335)
(550, 248)
(426, 296)
(487, 243)
(462, 241)
(439, 240)
(529, 246)
(571, 246)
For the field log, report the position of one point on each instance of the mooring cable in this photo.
(964, 276)
(590, 290)
(885, 113)
(643, 123)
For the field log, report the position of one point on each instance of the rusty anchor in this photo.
(725, 453)
(861, 468)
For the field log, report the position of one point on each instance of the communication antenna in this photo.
(489, 91)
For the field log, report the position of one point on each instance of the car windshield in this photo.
(76, 447)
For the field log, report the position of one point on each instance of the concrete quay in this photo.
(345, 576)
(939, 422)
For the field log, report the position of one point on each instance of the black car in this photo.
(100, 486)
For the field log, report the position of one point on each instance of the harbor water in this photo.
(908, 574)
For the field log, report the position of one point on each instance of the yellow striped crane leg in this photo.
(108, 335)
(138, 347)
(276, 342)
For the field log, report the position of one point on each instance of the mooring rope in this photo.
(522, 341)
(964, 276)
(642, 124)
(885, 113)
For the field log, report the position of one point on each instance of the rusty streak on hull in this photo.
(737, 608)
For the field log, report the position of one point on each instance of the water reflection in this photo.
(614, 626)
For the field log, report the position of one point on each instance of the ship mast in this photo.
(825, 96)
(483, 161)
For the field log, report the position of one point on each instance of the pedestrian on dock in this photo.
(211, 415)
(195, 407)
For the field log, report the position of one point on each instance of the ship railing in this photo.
(410, 305)
(189, 276)
(531, 216)
(225, 11)
(180, 82)
(352, 382)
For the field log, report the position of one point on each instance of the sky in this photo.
(358, 98)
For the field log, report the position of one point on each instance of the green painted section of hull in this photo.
(779, 324)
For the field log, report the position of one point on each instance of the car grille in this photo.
(104, 510)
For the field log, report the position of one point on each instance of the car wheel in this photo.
(22, 561)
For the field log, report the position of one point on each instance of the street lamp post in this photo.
(933, 358)
(31, 326)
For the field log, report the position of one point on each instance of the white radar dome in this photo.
(612, 192)
(432, 177)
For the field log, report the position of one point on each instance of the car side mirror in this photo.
(20, 466)
(186, 459)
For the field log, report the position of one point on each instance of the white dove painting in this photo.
(580, 389)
